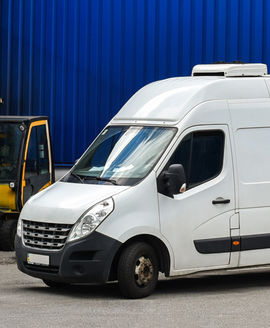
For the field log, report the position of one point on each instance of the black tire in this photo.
(137, 270)
(8, 230)
(55, 284)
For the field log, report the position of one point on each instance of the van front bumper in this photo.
(83, 261)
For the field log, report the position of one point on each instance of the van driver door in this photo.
(197, 222)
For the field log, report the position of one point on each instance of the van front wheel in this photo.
(137, 270)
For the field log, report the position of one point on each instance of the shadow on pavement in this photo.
(169, 287)
(215, 283)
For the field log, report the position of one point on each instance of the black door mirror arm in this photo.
(171, 182)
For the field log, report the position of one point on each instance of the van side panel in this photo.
(251, 130)
(253, 158)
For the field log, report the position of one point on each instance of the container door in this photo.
(196, 222)
(37, 169)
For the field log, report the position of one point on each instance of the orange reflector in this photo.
(236, 242)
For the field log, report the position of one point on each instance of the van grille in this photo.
(51, 236)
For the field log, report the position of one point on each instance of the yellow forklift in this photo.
(26, 167)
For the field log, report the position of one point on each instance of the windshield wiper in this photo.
(77, 176)
(89, 177)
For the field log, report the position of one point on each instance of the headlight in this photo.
(19, 227)
(89, 221)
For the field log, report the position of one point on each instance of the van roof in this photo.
(168, 101)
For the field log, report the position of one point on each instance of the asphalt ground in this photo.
(7, 258)
(231, 300)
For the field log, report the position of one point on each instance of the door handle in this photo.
(220, 200)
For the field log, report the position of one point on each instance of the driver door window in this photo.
(201, 154)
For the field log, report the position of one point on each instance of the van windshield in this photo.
(122, 155)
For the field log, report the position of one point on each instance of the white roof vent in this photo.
(229, 70)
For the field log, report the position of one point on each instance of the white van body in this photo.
(189, 232)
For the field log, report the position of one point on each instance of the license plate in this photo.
(38, 259)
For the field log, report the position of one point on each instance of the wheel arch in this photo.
(159, 247)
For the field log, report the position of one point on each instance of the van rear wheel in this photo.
(137, 270)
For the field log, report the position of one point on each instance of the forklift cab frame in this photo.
(26, 167)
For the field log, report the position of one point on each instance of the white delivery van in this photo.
(178, 182)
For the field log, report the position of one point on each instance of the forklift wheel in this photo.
(8, 230)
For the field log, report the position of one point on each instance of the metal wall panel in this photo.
(78, 61)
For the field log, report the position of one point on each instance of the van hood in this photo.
(65, 202)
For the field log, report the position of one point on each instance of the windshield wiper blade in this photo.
(77, 176)
(88, 177)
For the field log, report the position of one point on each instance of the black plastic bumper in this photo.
(86, 260)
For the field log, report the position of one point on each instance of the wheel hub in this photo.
(143, 271)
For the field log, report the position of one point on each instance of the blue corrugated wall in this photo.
(78, 61)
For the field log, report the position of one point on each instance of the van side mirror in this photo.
(173, 179)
